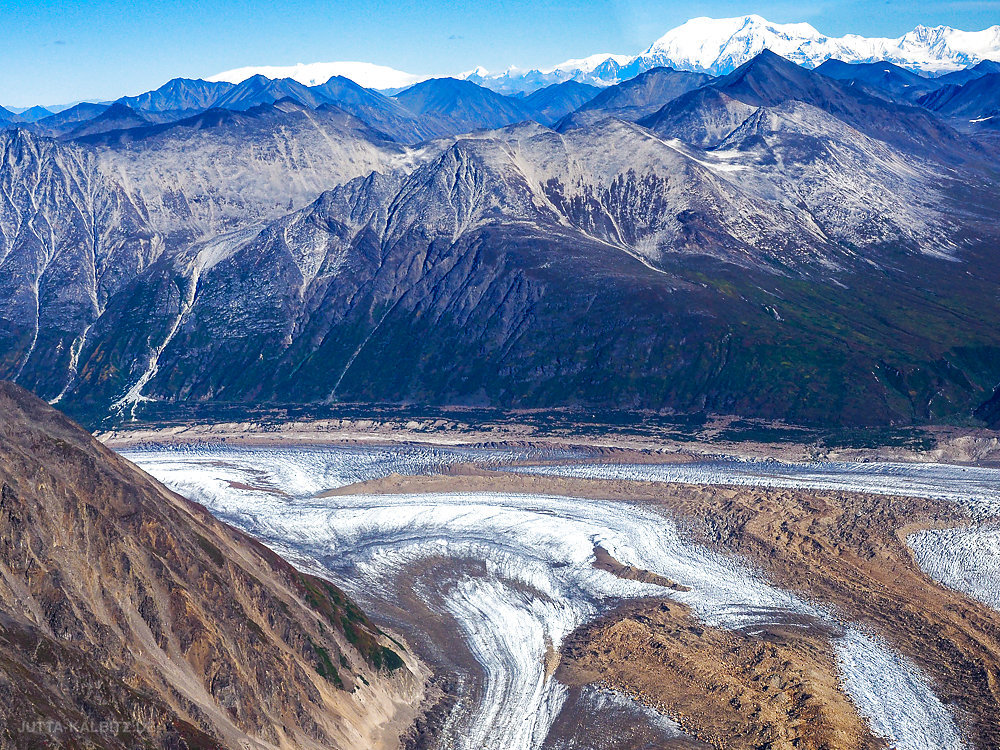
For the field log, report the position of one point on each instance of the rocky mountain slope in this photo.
(129, 616)
(223, 170)
(772, 243)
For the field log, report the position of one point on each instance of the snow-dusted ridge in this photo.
(517, 576)
(365, 74)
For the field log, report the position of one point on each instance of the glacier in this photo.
(514, 573)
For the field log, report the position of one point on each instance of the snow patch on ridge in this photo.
(364, 74)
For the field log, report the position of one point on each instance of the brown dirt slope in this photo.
(129, 617)
(728, 689)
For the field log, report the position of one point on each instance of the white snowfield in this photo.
(523, 576)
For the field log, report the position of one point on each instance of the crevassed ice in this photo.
(966, 559)
(539, 581)
(893, 695)
(973, 488)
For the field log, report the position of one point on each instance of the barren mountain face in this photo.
(771, 243)
(123, 605)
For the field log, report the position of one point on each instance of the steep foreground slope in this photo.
(129, 617)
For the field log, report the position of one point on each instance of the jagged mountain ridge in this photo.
(769, 80)
(77, 223)
(718, 46)
(180, 95)
(775, 178)
(123, 602)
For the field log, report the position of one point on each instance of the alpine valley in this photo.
(641, 402)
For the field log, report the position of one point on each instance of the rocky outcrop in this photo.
(129, 616)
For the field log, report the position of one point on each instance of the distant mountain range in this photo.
(447, 106)
(707, 45)
(816, 245)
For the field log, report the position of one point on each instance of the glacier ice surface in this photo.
(537, 553)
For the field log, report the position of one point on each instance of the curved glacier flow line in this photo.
(538, 581)
(965, 558)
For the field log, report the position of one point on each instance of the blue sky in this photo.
(58, 51)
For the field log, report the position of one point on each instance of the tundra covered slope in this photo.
(123, 605)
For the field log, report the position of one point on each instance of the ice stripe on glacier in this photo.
(539, 582)
(966, 559)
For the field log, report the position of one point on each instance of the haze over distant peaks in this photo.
(365, 74)
(709, 45)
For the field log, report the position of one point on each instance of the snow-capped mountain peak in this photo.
(713, 43)
(945, 43)
(721, 45)
(710, 45)
(364, 74)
